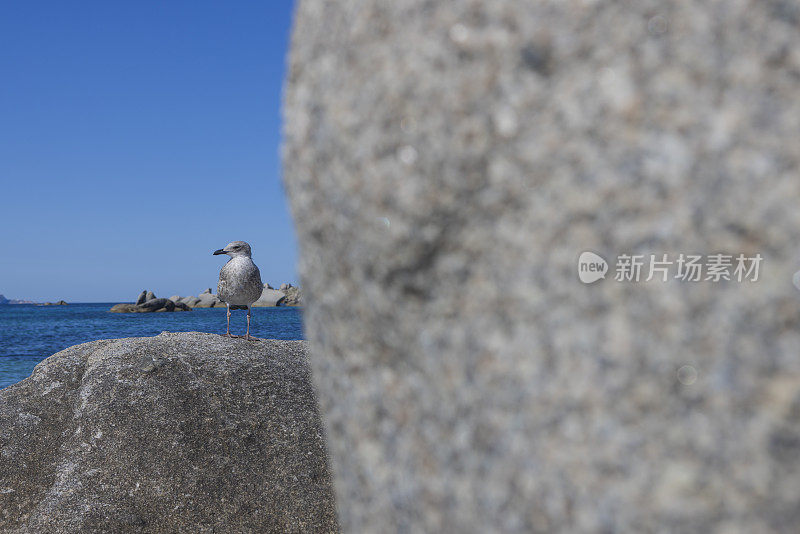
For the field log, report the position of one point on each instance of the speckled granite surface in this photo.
(447, 162)
(185, 432)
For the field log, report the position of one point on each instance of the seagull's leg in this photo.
(228, 331)
(247, 337)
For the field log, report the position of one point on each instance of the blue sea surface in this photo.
(30, 333)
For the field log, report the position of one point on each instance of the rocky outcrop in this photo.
(4, 300)
(292, 295)
(181, 432)
(447, 164)
(59, 303)
(154, 305)
(150, 306)
(124, 308)
(270, 297)
(190, 301)
(207, 299)
(287, 296)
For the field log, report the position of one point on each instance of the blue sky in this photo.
(126, 128)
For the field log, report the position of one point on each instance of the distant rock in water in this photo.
(123, 308)
(149, 296)
(4, 300)
(59, 303)
(190, 301)
(208, 300)
(150, 306)
(157, 305)
(269, 297)
(288, 295)
(292, 296)
(184, 432)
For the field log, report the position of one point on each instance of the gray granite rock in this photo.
(123, 308)
(447, 162)
(190, 301)
(142, 298)
(151, 306)
(293, 296)
(149, 296)
(175, 298)
(270, 297)
(184, 432)
(180, 306)
(154, 305)
(206, 300)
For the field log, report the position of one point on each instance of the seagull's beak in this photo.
(218, 252)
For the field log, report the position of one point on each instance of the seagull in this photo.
(239, 281)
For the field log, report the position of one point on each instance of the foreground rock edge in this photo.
(115, 434)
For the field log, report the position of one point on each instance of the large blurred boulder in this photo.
(181, 432)
(149, 296)
(447, 163)
(142, 298)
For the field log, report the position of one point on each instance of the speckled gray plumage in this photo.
(239, 282)
(239, 279)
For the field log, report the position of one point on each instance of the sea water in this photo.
(30, 333)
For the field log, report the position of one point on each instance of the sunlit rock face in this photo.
(448, 163)
(183, 432)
